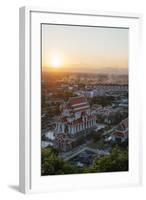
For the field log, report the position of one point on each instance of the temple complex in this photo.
(76, 116)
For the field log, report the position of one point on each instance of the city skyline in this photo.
(84, 49)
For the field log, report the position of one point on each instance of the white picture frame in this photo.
(29, 160)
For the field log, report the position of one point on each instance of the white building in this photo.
(76, 116)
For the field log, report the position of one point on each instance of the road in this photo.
(83, 147)
(73, 154)
(110, 131)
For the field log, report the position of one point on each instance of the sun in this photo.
(55, 62)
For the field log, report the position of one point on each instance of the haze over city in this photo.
(67, 48)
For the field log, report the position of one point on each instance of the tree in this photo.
(96, 136)
(116, 161)
(103, 100)
(52, 164)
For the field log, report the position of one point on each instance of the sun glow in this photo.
(55, 62)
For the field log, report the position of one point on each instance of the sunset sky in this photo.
(84, 49)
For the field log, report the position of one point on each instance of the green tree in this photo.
(52, 164)
(116, 161)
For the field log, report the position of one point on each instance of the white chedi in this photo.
(77, 115)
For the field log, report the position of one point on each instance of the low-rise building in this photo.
(121, 134)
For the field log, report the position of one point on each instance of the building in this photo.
(76, 116)
(89, 94)
(121, 134)
(63, 142)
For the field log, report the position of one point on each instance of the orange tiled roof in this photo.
(77, 104)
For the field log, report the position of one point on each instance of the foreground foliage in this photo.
(52, 164)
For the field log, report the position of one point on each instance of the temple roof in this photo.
(77, 104)
(123, 125)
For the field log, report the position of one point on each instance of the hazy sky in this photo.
(82, 48)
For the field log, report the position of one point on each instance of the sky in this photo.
(84, 49)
